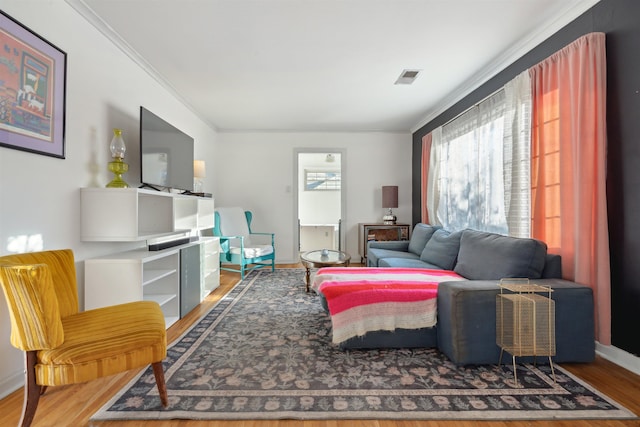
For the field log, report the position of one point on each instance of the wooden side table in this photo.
(316, 259)
(380, 232)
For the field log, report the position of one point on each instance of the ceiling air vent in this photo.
(407, 77)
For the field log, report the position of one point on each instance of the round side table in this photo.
(323, 258)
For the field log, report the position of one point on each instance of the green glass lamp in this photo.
(117, 165)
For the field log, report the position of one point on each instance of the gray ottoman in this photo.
(467, 322)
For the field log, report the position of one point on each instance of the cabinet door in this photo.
(190, 277)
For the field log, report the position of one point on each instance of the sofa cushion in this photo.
(381, 249)
(420, 236)
(442, 249)
(376, 255)
(406, 263)
(489, 256)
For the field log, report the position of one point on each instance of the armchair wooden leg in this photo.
(32, 391)
(158, 372)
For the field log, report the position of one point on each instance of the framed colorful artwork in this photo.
(32, 91)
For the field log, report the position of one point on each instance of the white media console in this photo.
(177, 277)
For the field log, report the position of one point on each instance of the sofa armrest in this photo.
(392, 245)
(467, 321)
(552, 267)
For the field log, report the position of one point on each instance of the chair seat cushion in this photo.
(253, 251)
(103, 342)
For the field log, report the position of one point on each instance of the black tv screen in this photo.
(166, 154)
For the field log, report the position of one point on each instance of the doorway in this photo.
(319, 203)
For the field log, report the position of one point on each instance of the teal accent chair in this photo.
(239, 245)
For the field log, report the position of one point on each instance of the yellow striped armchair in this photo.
(64, 346)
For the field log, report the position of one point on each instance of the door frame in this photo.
(343, 193)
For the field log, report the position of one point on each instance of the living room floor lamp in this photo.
(389, 201)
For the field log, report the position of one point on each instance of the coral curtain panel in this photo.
(426, 154)
(568, 172)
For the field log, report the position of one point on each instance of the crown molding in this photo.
(89, 14)
(571, 11)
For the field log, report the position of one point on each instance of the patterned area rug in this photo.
(265, 352)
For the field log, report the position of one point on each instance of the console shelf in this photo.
(135, 214)
(161, 299)
(177, 277)
(151, 276)
(133, 276)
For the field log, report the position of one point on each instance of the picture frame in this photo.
(33, 75)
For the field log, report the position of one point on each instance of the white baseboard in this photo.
(619, 357)
(10, 384)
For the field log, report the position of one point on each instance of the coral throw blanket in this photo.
(366, 299)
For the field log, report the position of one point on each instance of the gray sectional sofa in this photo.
(466, 324)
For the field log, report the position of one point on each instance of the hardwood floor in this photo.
(73, 405)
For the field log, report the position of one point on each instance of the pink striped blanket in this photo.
(366, 299)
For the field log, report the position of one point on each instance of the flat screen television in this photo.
(166, 154)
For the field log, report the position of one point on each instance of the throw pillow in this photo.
(489, 256)
(420, 236)
(442, 249)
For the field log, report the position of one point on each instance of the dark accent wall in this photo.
(620, 20)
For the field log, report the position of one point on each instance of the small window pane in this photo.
(318, 180)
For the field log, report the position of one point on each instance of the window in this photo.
(479, 166)
(315, 180)
(546, 160)
(470, 164)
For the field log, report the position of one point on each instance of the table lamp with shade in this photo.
(389, 201)
(199, 172)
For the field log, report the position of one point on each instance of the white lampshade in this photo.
(199, 169)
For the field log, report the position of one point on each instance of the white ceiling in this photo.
(325, 65)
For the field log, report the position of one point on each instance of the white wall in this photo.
(258, 174)
(40, 195)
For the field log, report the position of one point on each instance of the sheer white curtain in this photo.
(469, 163)
(433, 190)
(517, 155)
(479, 165)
